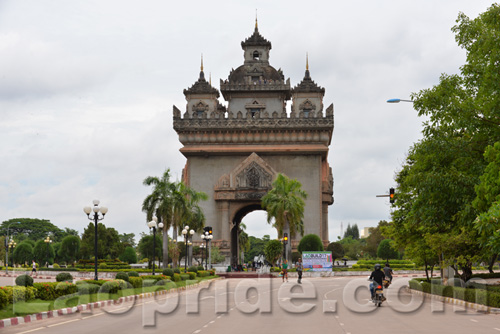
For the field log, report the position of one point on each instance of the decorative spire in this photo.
(307, 85)
(202, 75)
(210, 78)
(256, 23)
(308, 75)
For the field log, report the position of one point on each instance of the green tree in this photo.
(436, 185)
(145, 248)
(23, 253)
(386, 251)
(273, 250)
(374, 239)
(352, 231)
(70, 249)
(127, 239)
(43, 253)
(285, 204)
(337, 250)
(256, 248)
(160, 204)
(243, 240)
(310, 243)
(487, 204)
(33, 229)
(129, 255)
(108, 242)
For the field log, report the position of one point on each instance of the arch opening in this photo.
(255, 220)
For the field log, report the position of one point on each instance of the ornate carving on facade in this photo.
(250, 180)
(308, 105)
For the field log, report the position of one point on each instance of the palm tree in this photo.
(243, 241)
(159, 203)
(285, 203)
(186, 209)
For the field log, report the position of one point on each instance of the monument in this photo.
(235, 151)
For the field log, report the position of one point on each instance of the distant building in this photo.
(365, 232)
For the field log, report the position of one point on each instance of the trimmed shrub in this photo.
(102, 266)
(200, 268)
(24, 280)
(19, 293)
(56, 266)
(133, 274)
(54, 290)
(212, 272)
(203, 273)
(86, 288)
(177, 270)
(113, 286)
(185, 277)
(310, 243)
(122, 276)
(168, 272)
(4, 299)
(64, 277)
(177, 277)
(192, 269)
(192, 275)
(135, 281)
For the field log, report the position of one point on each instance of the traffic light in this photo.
(285, 238)
(391, 195)
(208, 229)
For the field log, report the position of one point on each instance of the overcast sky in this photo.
(87, 88)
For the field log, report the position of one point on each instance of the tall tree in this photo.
(160, 203)
(273, 251)
(70, 249)
(23, 253)
(34, 229)
(108, 242)
(43, 253)
(285, 204)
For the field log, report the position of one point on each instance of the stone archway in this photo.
(237, 218)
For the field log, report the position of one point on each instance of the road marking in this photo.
(497, 329)
(197, 331)
(62, 323)
(473, 320)
(94, 315)
(211, 322)
(32, 330)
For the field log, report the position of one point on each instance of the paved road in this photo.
(322, 305)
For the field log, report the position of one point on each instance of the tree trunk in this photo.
(174, 238)
(426, 270)
(492, 263)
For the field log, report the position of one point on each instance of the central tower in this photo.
(235, 152)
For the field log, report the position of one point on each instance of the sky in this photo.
(87, 89)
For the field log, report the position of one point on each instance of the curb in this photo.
(90, 306)
(459, 302)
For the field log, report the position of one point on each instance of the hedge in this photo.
(4, 299)
(54, 290)
(471, 294)
(186, 276)
(19, 293)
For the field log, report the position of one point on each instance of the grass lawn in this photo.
(36, 306)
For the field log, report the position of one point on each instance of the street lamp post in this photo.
(12, 244)
(96, 209)
(186, 233)
(47, 241)
(154, 224)
(202, 246)
(7, 248)
(207, 237)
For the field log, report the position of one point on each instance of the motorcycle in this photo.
(386, 283)
(379, 295)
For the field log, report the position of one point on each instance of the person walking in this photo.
(285, 270)
(300, 267)
(33, 271)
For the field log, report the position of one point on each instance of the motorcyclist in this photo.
(377, 277)
(388, 272)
